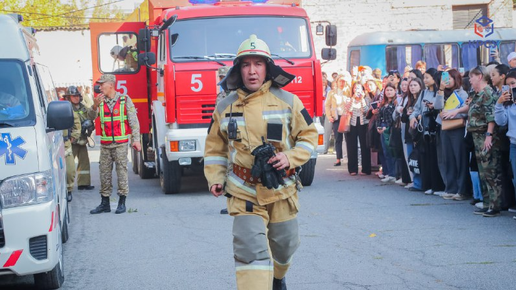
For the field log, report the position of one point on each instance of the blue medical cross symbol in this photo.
(11, 147)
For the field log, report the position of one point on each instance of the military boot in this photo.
(121, 205)
(279, 284)
(103, 207)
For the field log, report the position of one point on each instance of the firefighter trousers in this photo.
(264, 240)
(83, 166)
(70, 166)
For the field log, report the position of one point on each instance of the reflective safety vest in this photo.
(114, 125)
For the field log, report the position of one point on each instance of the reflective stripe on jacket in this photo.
(114, 124)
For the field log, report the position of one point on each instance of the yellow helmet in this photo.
(253, 46)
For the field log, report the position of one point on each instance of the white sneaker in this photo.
(512, 209)
(439, 193)
(430, 191)
(399, 182)
(449, 195)
(409, 185)
(479, 205)
(389, 179)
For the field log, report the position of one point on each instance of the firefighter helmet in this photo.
(115, 51)
(253, 46)
(72, 91)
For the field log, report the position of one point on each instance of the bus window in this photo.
(506, 47)
(354, 58)
(441, 54)
(398, 57)
(469, 56)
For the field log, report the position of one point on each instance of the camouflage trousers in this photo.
(70, 166)
(110, 155)
(83, 166)
(489, 171)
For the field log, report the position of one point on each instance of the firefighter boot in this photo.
(103, 207)
(121, 205)
(279, 284)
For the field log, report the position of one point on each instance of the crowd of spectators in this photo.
(439, 131)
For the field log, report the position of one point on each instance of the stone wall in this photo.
(361, 16)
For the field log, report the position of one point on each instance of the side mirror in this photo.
(329, 53)
(147, 58)
(144, 38)
(331, 35)
(59, 116)
(167, 23)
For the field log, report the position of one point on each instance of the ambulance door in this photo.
(114, 50)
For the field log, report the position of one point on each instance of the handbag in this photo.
(344, 123)
(413, 161)
(450, 124)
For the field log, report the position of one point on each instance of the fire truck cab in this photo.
(179, 52)
(33, 196)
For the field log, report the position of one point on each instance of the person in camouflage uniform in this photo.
(79, 139)
(222, 72)
(487, 142)
(118, 120)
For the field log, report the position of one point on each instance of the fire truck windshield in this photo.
(207, 39)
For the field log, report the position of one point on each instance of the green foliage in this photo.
(46, 14)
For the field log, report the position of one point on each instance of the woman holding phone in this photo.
(505, 115)
(425, 114)
(415, 89)
(454, 154)
(384, 124)
(336, 105)
(358, 129)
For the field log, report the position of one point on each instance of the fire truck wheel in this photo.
(53, 279)
(170, 176)
(134, 160)
(143, 171)
(308, 171)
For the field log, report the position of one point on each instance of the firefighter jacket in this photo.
(272, 113)
(82, 112)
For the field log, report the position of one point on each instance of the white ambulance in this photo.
(33, 197)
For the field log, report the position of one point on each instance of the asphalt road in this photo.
(356, 233)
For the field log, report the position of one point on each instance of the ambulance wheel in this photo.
(64, 231)
(144, 172)
(308, 171)
(170, 176)
(53, 279)
(134, 160)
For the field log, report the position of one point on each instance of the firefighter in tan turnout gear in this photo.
(263, 133)
(79, 137)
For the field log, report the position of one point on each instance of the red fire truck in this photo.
(166, 59)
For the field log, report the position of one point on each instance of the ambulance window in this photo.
(118, 53)
(16, 107)
(50, 92)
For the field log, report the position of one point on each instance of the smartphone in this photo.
(505, 88)
(445, 77)
(374, 105)
(96, 89)
(461, 70)
(492, 50)
(513, 93)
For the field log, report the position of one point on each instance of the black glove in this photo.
(271, 178)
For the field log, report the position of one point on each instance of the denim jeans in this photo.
(512, 158)
(389, 168)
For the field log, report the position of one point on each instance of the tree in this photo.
(45, 14)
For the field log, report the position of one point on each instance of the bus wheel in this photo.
(308, 171)
(170, 176)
